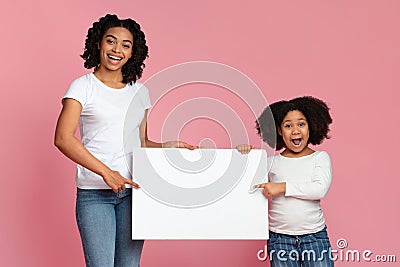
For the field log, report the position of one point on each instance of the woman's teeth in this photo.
(114, 58)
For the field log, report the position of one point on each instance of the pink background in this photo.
(345, 52)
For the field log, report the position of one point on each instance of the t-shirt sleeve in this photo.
(144, 95)
(320, 182)
(77, 91)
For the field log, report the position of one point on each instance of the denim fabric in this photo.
(105, 224)
(310, 250)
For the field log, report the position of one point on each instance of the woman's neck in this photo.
(110, 78)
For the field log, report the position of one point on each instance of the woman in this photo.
(98, 102)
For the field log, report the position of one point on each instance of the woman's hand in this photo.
(116, 181)
(272, 189)
(244, 148)
(178, 144)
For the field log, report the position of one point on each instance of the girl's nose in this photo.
(295, 130)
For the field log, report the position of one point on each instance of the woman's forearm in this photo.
(72, 148)
(149, 143)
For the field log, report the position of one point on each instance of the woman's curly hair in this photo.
(133, 68)
(315, 110)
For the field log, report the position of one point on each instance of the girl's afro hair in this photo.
(315, 110)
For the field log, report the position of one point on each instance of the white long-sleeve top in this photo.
(308, 179)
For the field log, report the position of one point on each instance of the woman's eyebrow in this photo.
(129, 41)
(112, 36)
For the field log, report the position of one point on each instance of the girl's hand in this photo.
(178, 144)
(117, 183)
(272, 189)
(244, 148)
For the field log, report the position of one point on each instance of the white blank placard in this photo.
(199, 194)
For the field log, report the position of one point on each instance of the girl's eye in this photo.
(301, 124)
(287, 126)
(110, 41)
(126, 46)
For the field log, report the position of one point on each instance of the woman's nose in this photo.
(116, 47)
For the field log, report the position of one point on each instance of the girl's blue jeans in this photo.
(105, 224)
(310, 250)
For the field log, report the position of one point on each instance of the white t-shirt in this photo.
(109, 125)
(308, 179)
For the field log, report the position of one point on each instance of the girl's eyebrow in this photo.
(299, 119)
(112, 36)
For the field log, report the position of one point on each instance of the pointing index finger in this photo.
(132, 183)
(260, 185)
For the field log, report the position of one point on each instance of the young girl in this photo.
(298, 179)
(98, 103)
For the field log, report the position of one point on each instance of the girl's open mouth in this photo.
(296, 141)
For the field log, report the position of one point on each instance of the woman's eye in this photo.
(110, 41)
(126, 46)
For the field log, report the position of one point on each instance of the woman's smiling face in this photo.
(115, 48)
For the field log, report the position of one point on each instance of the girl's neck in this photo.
(291, 154)
(110, 78)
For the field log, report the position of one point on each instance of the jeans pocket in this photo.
(273, 238)
(320, 236)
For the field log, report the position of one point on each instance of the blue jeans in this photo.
(310, 250)
(105, 224)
